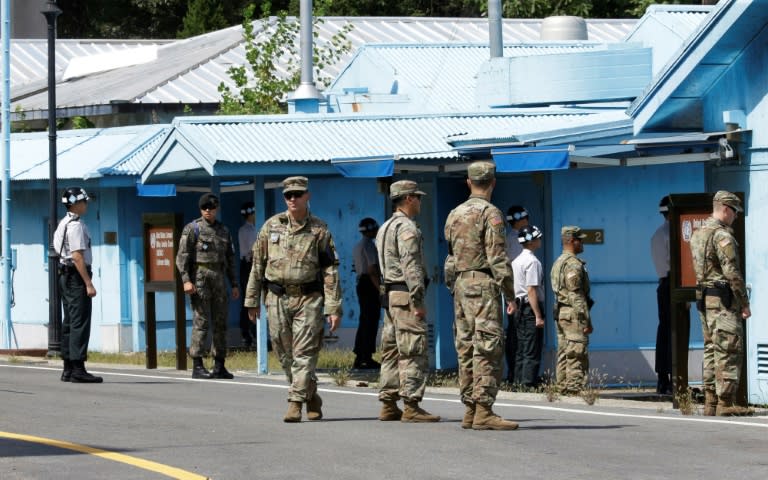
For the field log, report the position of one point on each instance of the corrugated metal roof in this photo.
(80, 153)
(683, 20)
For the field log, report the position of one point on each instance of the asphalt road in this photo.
(142, 424)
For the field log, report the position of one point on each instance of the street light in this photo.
(51, 12)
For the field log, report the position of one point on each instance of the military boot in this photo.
(390, 411)
(469, 416)
(710, 402)
(66, 374)
(726, 408)
(293, 415)
(80, 375)
(198, 369)
(219, 371)
(485, 419)
(413, 413)
(314, 404)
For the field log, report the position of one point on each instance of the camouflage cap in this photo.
(481, 170)
(208, 199)
(404, 187)
(729, 199)
(572, 231)
(295, 184)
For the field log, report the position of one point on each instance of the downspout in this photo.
(5, 255)
(306, 98)
(494, 28)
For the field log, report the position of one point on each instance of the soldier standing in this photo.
(723, 305)
(246, 237)
(73, 244)
(660, 257)
(404, 361)
(296, 269)
(478, 271)
(206, 255)
(366, 263)
(570, 283)
(518, 217)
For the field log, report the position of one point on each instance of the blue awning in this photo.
(368, 167)
(530, 159)
(162, 190)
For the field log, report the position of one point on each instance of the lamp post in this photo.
(51, 12)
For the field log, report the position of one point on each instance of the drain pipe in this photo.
(494, 28)
(307, 97)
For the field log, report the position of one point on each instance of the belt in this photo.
(520, 301)
(481, 273)
(293, 290)
(396, 287)
(209, 266)
(69, 269)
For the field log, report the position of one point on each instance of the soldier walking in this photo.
(570, 283)
(723, 305)
(404, 361)
(478, 271)
(206, 255)
(296, 271)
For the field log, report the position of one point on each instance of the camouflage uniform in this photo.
(570, 283)
(295, 270)
(716, 263)
(404, 356)
(475, 232)
(206, 255)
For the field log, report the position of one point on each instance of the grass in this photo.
(595, 384)
(686, 403)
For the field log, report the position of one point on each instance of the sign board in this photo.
(687, 224)
(594, 236)
(162, 254)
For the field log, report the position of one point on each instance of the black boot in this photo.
(198, 369)
(80, 375)
(219, 371)
(66, 374)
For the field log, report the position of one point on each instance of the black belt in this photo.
(293, 290)
(396, 287)
(70, 269)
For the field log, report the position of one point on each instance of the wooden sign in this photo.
(161, 254)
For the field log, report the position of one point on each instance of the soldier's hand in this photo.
(420, 312)
(90, 290)
(511, 307)
(333, 322)
(746, 312)
(189, 288)
(588, 330)
(235, 293)
(254, 313)
(539, 322)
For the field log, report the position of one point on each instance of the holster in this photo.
(722, 290)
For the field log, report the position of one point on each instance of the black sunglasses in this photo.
(292, 195)
(209, 206)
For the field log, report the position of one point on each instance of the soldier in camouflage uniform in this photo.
(570, 283)
(206, 255)
(722, 303)
(404, 361)
(478, 271)
(296, 272)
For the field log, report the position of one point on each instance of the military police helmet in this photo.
(529, 233)
(72, 195)
(368, 225)
(247, 208)
(516, 212)
(664, 205)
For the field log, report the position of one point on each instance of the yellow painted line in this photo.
(166, 470)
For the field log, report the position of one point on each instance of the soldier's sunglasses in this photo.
(292, 195)
(208, 207)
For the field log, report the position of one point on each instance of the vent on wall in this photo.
(762, 358)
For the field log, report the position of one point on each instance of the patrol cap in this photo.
(402, 188)
(516, 212)
(72, 195)
(368, 225)
(572, 231)
(729, 199)
(295, 184)
(529, 233)
(208, 200)
(247, 208)
(664, 204)
(481, 170)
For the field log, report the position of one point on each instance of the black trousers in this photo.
(510, 345)
(76, 324)
(247, 328)
(370, 313)
(530, 341)
(664, 331)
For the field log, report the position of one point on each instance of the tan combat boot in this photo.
(469, 416)
(293, 414)
(710, 403)
(726, 408)
(389, 411)
(485, 419)
(314, 404)
(413, 413)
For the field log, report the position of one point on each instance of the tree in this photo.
(259, 88)
(203, 16)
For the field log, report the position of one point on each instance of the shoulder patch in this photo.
(496, 220)
(408, 234)
(724, 242)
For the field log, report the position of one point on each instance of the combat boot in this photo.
(469, 416)
(726, 408)
(314, 404)
(80, 375)
(413, 413)
(293, 415)
(485, 419)
(219, 371)
(390, 411)
(198, 369)
(66, 374)
(710, 402)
